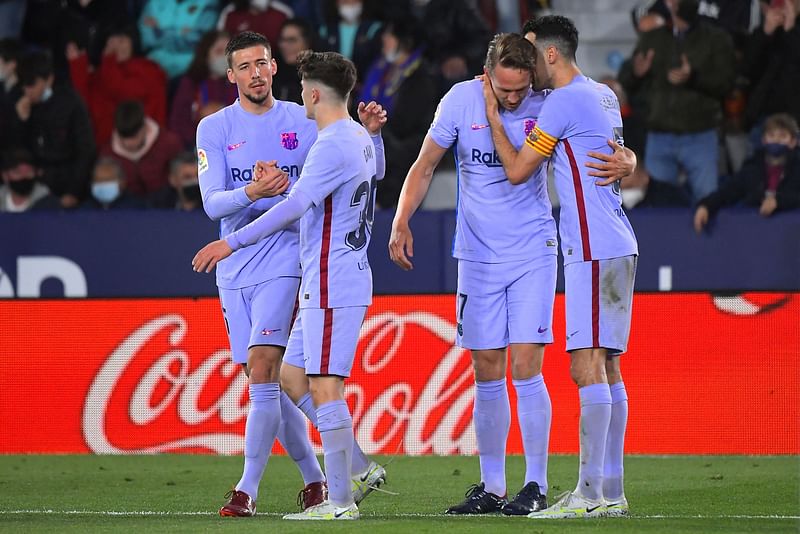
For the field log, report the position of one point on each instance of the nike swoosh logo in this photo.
(590, 510)
(542, 330)
(340, 514)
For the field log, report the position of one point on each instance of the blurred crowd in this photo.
(100, 99)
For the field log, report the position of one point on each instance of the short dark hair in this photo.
(782, 121)
(512, 51)
(243, 40)
(10, 50)
(14, 156)
(129, 118)
(329, 68)
(34, 66)
(305, 28)
(557, 31)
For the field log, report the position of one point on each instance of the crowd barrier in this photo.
(705, 374)
(148, 254)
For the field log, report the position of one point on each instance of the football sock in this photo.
(534, 412)
(492, 416)
(615, 443)
(293, 435)
(595, 416)
(263, 421)
(360, 460)
(336, 429)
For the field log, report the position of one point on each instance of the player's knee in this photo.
(526, 361)
(263, 364)
(613, 372)
(489, 364)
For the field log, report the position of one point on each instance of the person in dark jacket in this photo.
(53, 123)
(769, 180)
(688, 69)
(20, 189)
(402, 83)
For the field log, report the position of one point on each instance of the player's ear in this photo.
(231, 78)
(273, 66)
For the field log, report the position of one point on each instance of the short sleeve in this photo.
(550, 127)
(444, 128)
(323, 172)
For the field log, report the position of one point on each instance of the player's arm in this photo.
(219, 202)
(283, 214)
(518, 165)
(373, 118)
(415, 187)
(616, 166)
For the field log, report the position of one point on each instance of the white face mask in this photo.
(391, 56)
(106, 192)
(218, 66)
(48, 92)
(632, 196)
(350, 12)
(260, 4)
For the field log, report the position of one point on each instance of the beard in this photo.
(257, 99)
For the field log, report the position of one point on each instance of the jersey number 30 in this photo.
(364, 197)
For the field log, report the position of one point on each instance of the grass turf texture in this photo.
(183, 493)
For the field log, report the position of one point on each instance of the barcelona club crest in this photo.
(289, 140)
(529, 125)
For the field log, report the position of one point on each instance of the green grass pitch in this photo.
(181, 493)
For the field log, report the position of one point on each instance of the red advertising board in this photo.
(704, 374)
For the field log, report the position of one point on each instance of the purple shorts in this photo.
(324, 341)
(502, 303)
(599, 297)
(259, 314)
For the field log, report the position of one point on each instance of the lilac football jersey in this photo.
(340, 178)
(228, 144)
(496, 221)
(576, 119)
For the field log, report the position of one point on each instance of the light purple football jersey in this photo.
(228, 144)
(340, 179)
(496, 221)
(576, 119)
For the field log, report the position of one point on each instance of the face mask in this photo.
(22, 187)
(47, 94)
(260, 4)
(218, 66)
(191, 192)
(631, 197)
(391, 57)
(106, 192)
(350, 12)
(775, 149)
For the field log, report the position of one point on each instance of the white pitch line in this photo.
(136, 513)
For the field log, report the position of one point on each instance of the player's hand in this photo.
(700, 219)
(268, 181)
(768, 206)
(492, 109)
(23, 108)
(773, 18)
(642, 62)
(372, 116)
(210, 255)
(72, 51)
(401, 245)
(614, 167)
(680, 75)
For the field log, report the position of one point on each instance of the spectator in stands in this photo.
(507, 16)
(351, 29)
(184, 182)
(52, 122)
(21, 189)
(770, 179)
(108, 188)
(772, 63)
(204, 89)
(10, 89)
(171, 29)
(296, 36)
(639, 191)
(688, 69)
(262, 16)
(402, 83)
(121, 75)
(456, 37)
(144, 151)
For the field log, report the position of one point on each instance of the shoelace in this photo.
(475, 491)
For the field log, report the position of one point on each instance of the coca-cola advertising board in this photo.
(705, 375)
